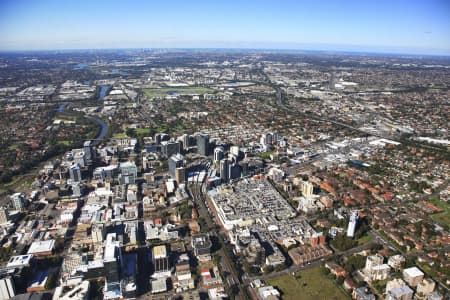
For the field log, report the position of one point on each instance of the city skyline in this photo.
(413, 27)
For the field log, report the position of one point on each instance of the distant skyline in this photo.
(410, 27)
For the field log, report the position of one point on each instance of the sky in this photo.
(393, 26)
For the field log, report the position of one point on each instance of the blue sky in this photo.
(364, 25)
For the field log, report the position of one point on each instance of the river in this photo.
(103, 126)
(103, 91)
(103, 129)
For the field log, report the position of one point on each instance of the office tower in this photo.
(128, 172)
(75, 173)
(79, 157)
(275, 137)
(175, 161)
(203, 144)
(112, 258)
(224, 170)
(234, 150)
(244, 167)
(234, 171)
(218, 154)
(88, 150)
(165, 137)
(157, 138)
(170, 148)
(185, 141)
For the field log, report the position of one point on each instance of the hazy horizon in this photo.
(399, 27)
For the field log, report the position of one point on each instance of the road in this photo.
(197, 191)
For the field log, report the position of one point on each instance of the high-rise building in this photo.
(353, 222)
(4, 216)
(180, 175)
(170, 148)
(218, 154)
(275, 137)
(79, 157)
(128, 172)
(165, 137)
(75, 173)
(244, 167)
(88, 150)
(203, 144)
(307, 188)
(235, 150)
(7, 288)
(234, 171)
(175, 161)
(185, 141)
(224, 176)
(112, 258)
(157, 138)
(18, 201)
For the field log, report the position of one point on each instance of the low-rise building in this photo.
(159, 285)
(363, 293)
(42, 248)
(202, 247)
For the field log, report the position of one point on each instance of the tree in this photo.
(324, 271)
(131, 132)
(268, 269)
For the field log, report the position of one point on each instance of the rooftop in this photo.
(41, 246)
(19, 261)
(413, 272)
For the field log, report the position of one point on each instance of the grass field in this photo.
(307, 285)
(19, 183)
(443, 218)
(162, 92)
(364, 239)
(143, 131)
(120, 136)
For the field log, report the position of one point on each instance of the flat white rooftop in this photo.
(413, 272)
(41, 246)
(19, 261)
